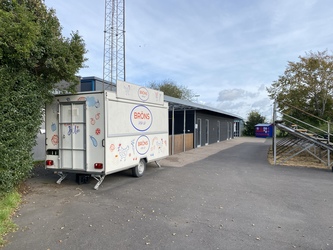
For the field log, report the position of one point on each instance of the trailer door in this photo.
(72, 135)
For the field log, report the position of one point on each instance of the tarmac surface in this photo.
(221, 196)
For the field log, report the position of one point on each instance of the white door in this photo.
(72, 135)
(198, 132)
(218, 131)
(207, 132)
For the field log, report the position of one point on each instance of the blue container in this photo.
(264, 130)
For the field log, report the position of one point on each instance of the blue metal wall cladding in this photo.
(264, 130)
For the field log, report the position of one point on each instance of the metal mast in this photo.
(114, 42)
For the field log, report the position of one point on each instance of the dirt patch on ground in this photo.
(302, 160)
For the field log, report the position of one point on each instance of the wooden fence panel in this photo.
(179, 143)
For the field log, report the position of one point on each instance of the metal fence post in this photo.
(328, 142)
(274, 131)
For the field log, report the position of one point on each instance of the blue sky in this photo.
(226, 51)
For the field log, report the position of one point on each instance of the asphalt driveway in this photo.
(222, 196)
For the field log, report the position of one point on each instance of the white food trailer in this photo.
(94, 134)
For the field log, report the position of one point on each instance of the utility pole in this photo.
(114, 42)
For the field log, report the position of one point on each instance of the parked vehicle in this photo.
(94, 134)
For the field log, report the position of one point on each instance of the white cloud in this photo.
(242, 102)
(219, 49)
(235, 94)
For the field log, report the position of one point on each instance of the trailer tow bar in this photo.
(62, 177)
(99, 179)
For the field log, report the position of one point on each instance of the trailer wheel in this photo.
(139, 170)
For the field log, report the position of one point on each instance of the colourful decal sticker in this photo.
(152, 148)
(82, 98)
(97, 116)
(133, 146)
(92, 121)
(142, 144)
(97, 104)
(159, 145)
(91, 101)
(127, 89)
(54, 108)
(94, 141)
(53, 127)
(123, 152)
(73, 130)
(143, 94)
(112, 147)
(141, 118)
(55, 140)
(97, 131)
(158, 96)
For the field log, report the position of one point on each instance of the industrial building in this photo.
(191, 124)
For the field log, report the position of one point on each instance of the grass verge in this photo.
(8, 204)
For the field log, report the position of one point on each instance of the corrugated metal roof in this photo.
(184, 104)
(175, 102)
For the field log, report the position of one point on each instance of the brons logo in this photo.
(141, 118)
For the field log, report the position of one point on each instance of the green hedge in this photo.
(34, 56)
(20, 120)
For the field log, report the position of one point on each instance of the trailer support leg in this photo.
(99, 179)
(158, 164)
(62, 177)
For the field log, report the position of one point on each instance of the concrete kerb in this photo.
(184, 158)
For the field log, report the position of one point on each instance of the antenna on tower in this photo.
(114, 42)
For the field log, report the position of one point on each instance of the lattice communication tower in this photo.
(114, 42)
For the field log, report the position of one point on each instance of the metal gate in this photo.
(72, 135)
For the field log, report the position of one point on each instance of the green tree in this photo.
(254, 118)
(172, 89)
(307, 85)
(34, 56)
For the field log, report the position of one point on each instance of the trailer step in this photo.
(62, 177)
(99, 179)
(158, 164)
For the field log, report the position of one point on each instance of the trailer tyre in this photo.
(139, 170)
